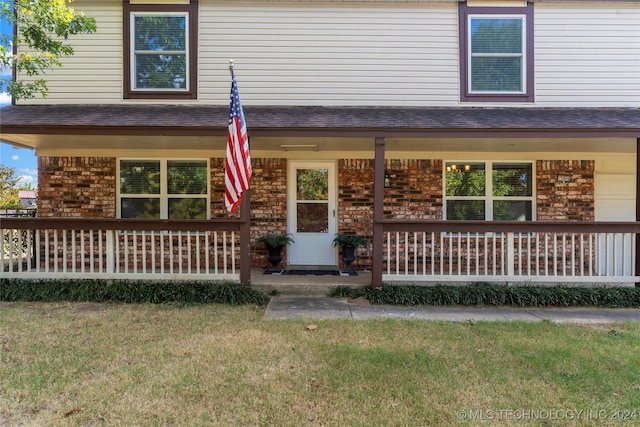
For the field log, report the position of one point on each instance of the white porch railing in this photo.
(509, 252)
(411, 251)
(120, 249)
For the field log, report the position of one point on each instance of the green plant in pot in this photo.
(274, 243)
(348, 243)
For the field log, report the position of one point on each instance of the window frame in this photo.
(163, 195)
(191, 11)
(489, 198)
(465, 13)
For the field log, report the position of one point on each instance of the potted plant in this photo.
(348, 243)
(274, 243)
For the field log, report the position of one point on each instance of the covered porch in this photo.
(403, 249)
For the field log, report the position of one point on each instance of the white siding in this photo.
(367, 54)
(587, 55)
(94, 73)
(333, 54)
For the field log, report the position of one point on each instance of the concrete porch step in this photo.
(305, 284)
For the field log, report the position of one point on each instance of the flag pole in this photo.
(245, 196)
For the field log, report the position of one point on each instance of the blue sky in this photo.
(22, 160)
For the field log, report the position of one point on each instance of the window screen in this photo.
(497, 54)
(167, 189)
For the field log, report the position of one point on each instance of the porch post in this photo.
(637, 269)
(245, 238)
(378, 214)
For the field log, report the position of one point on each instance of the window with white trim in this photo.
(163, 189)
(496, 54)
(160, 42)
(486, 191)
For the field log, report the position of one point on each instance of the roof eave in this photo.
(382, 132)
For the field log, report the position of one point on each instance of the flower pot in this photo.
(348, 256)
(274, 257)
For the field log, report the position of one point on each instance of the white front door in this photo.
(311, 213)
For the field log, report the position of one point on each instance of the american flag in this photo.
(238, 165)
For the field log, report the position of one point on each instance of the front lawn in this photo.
(128, 364)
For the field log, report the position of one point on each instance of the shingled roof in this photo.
(272, 120)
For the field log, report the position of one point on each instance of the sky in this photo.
(23, 160)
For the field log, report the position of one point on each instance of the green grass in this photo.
(120, 365)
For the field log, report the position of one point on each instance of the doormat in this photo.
(306, 272)
(311, 272)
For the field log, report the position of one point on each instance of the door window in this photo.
(312, 204)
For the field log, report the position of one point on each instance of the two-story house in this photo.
(465, 140)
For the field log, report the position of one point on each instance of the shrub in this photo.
(348, 240)
(487, 294)
(274, 240)
(130, 291)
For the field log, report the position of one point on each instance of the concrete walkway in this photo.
(315, 307)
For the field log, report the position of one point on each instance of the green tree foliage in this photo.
(186, 177)
(43, 27)
(511, 181)
(9, 198)
(468, 184)
(188, 208)
(508, 180)
(183, 177)
(313, 184)
(139, 177)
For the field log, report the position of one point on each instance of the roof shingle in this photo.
(89, 119)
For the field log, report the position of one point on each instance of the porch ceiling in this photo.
(332, 129)
(304, 147)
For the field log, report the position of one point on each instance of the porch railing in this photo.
(121, 248)
(566, 252)
(411, 251)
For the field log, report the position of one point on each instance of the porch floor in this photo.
(305, 284)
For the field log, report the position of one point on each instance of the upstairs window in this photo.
(496, 54)
(163, 189)
(499, 191)
(160, 44)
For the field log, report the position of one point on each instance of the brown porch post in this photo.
(245, 239)
(637, 272)
(378, 214)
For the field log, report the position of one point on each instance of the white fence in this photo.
(159, 251)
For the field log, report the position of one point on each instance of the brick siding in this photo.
(77, 187)
(268, 202)
(565, 201)
(86, 187)
(415, 193)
